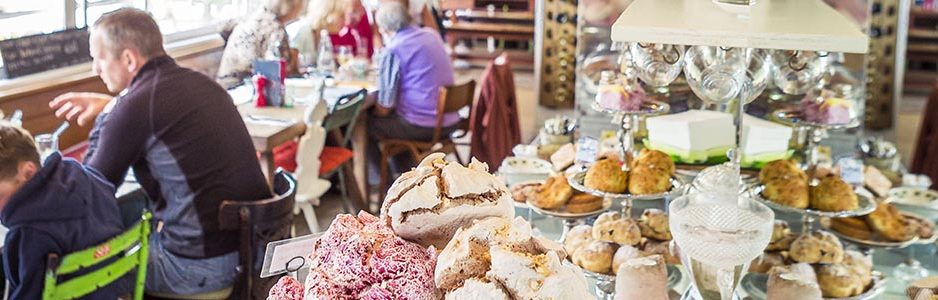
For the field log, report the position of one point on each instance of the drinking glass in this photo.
(344, 55)
(46, 144)
(719, 75)
(796, 72)
(718, 234)
(657, 64)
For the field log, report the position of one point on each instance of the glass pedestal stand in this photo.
(628, 121)
(571, 220)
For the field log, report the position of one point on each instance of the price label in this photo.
(851, 170)
(586, 150)
(288, 255)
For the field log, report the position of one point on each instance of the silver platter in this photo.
(866, 205)
(756, 284)
(576, 181)
(607, 203)
(795, 117)
(649, 107)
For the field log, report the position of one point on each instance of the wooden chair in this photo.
(452, 99)
(258, 223)
(343, 114)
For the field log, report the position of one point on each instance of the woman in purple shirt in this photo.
(413, 68)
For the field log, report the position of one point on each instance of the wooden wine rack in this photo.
(881, 64)
(555, 38)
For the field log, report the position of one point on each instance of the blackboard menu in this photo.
(43, 52)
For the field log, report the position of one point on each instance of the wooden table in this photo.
(268, 135)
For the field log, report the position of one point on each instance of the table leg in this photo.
(268, 166)
(360, 159)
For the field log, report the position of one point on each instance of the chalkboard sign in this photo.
(43, 52)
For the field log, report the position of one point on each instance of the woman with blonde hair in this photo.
(342, 19)
(254, 37)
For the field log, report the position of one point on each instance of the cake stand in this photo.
(755, 285)
(816, 131)
(569, 219)
(628, 121)
(865, 207)
(606, 283)
(576, 182)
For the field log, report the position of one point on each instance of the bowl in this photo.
(520, 169)
(914, 197)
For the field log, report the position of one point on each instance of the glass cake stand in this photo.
(576, 178)
(628, 122)
(606, 283)
(817, 132)
(865, 207)
(569, 219)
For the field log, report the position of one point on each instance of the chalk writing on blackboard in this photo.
(43, 52)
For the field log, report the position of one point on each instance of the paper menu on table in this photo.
(288, 255)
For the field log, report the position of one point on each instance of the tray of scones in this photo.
(620, 246)
(650, 176)
(555, 197)
(885, 227)
(810, 266)
(785, 187)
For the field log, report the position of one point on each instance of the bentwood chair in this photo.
(452, 99)
(107, 262)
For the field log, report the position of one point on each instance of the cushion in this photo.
(332, 158)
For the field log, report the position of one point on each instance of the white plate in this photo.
(914, 197)
(519, 169)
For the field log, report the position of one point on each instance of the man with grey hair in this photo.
(185, 140)
(414, 67)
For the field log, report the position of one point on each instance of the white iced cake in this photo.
(699, 136)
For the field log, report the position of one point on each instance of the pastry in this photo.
(503, 253)
(663, 248)
(924, 229)
(854, 227)
(360, 257)
(563, 158)
(838, 281)
(553, 194)
(782, 237)
(623, 254)
(287, 288)
(577, 237)
(861, 265)
(817, 247)
(522, 192)
(830, 111)
(612, 227)
(795, 282)
(876, 182)
(642, 278)
(654, 160)
(595, 257)
(643, 181)
(607, 175)
(654, 224)
(889, 223)
(784, 169)
(429, 203)
(584, 203)
(766, 262)
(833, 194)
(791, 192)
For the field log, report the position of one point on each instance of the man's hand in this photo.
(80, 107)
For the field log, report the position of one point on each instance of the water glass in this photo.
(657, 64)
(719, 75)
(344, 54)
(46, 144)
(796, 72)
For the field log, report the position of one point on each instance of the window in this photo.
(42, 16)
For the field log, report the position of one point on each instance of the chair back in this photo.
(258, 223)
(131, 247)
(452, 99)
(344, 113)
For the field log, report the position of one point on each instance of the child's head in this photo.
(19, 160)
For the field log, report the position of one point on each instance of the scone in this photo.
(795, 282)
(766, 262)
(607, 175)
(584, 203)
(838, 281)
(595, 257)
(623, 254)
(889, 223)
(854, 227)
(922, 228)
(782, 237)
(612, 227)
(861, 265)
(654, 160)
(644, 181)
(783, 168)
(522, 192)
(791, 192)
(654, 224)
(576, 238)
(833, 194)
(663, 248)
(817, 247)
(553, 194)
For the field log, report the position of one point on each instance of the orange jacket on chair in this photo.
(494, 123)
